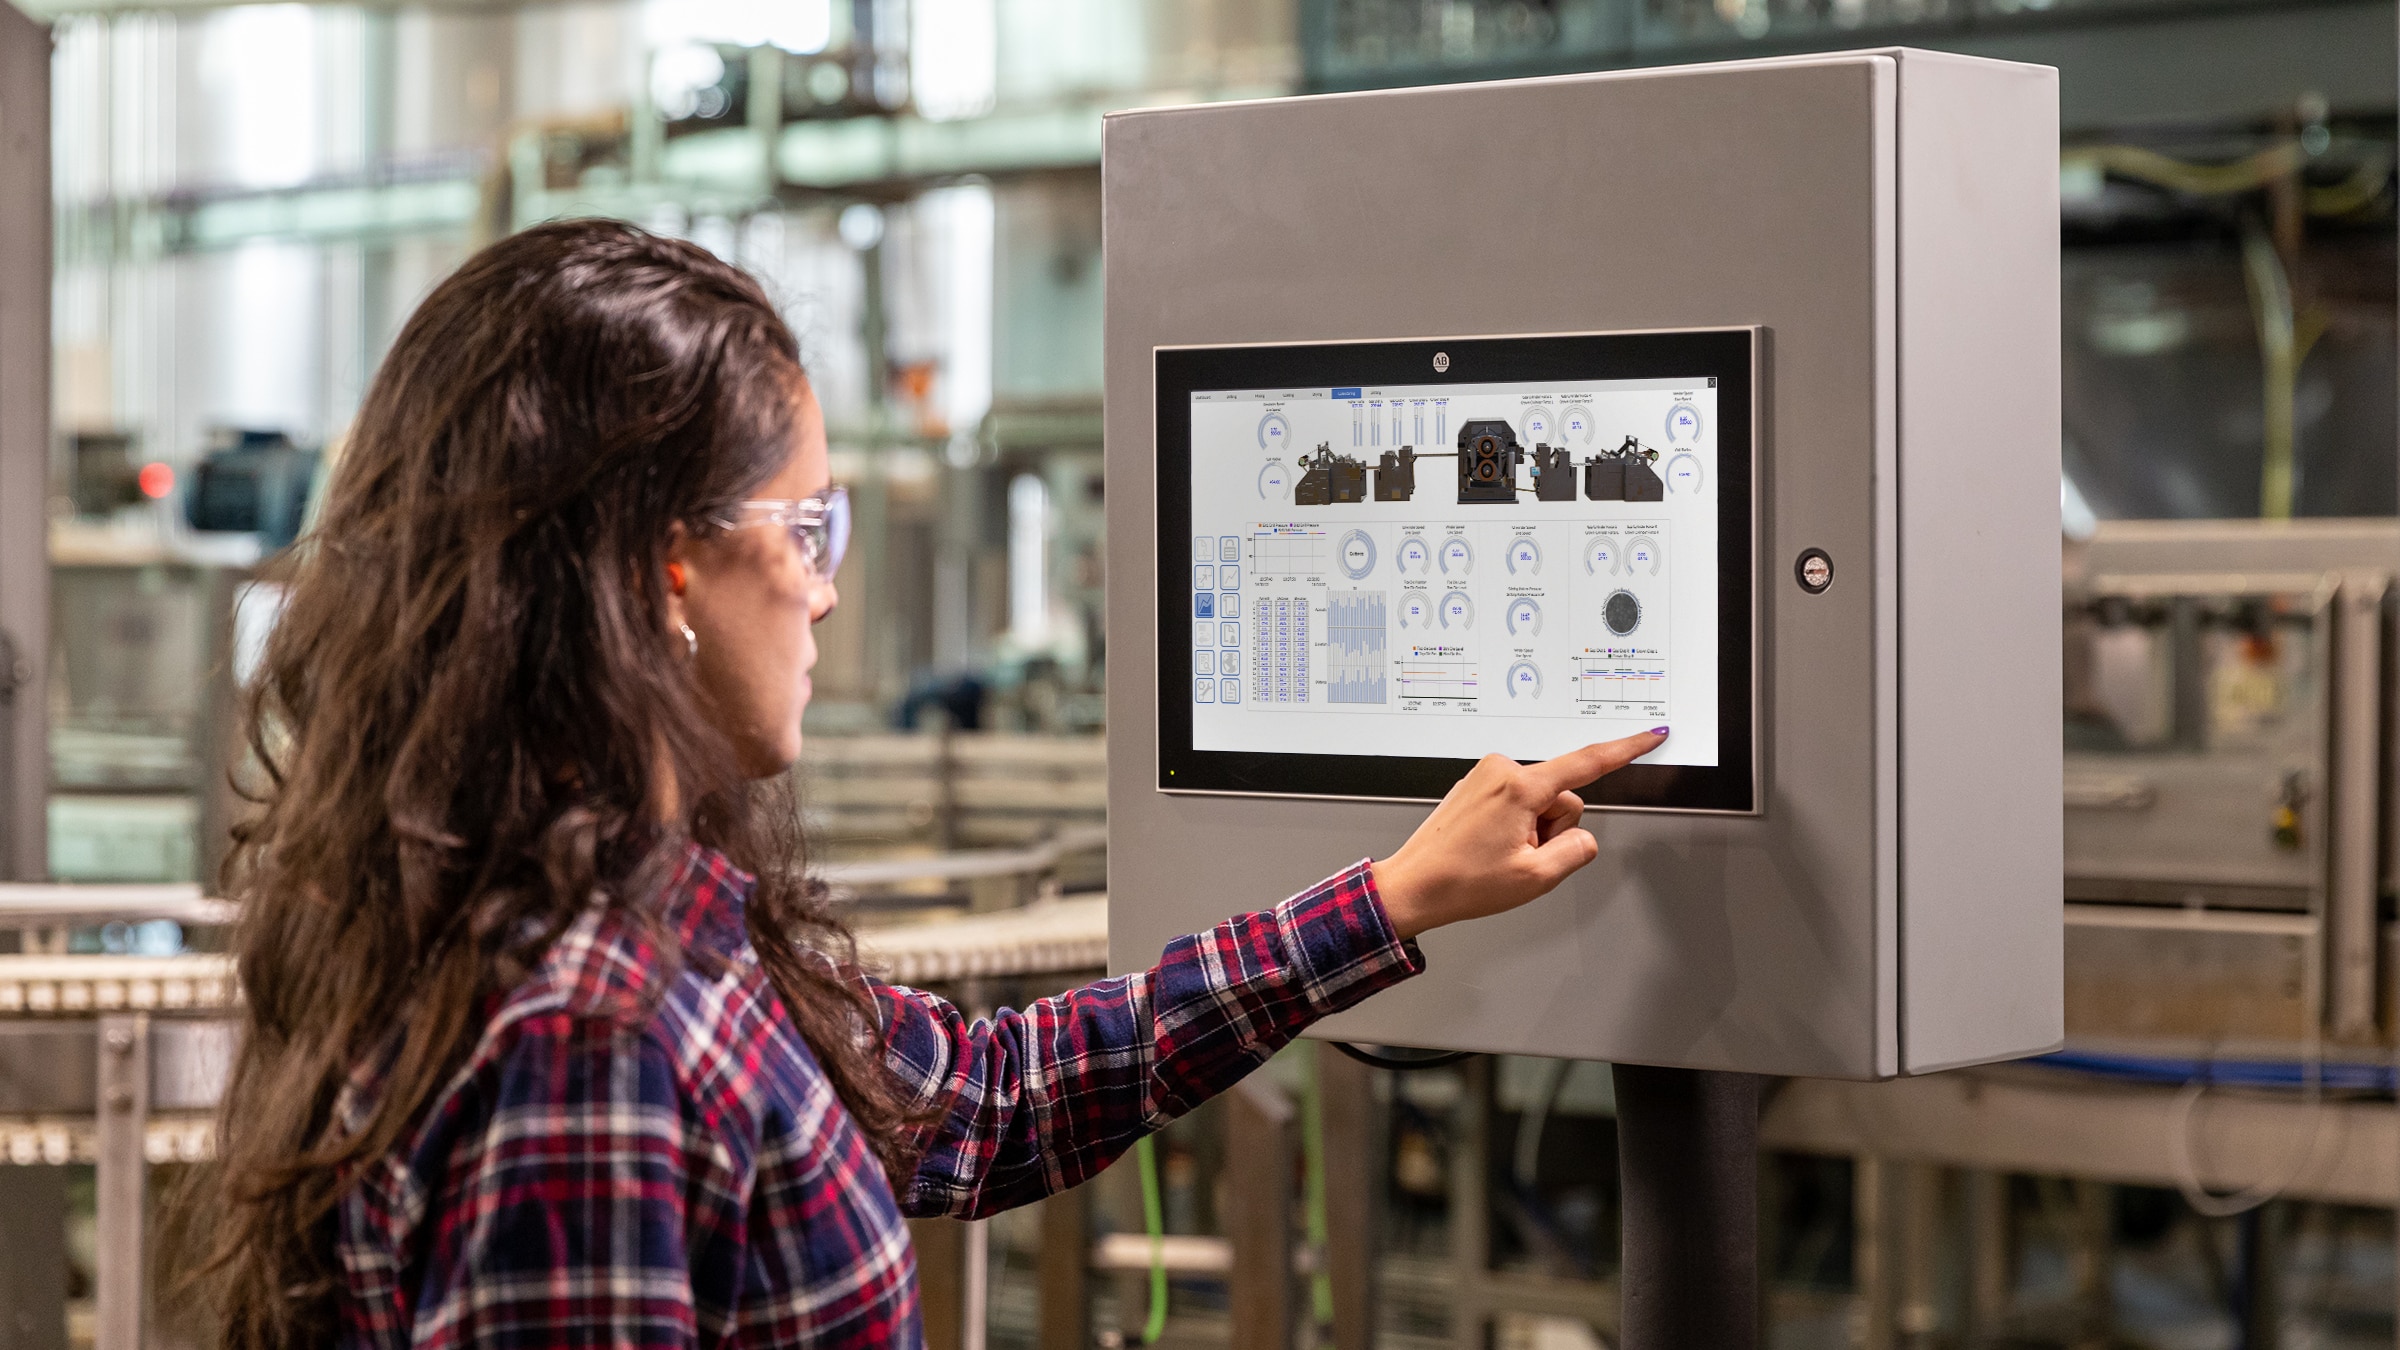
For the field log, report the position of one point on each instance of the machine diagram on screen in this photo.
(1494, 467)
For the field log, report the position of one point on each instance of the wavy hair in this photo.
(470, 711)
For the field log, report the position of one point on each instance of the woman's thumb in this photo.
(1564, 854)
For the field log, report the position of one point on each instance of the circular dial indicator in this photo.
(1622, 613)
(1683, 475)
(1358, 554)
(1683, 423)
(1275, 482)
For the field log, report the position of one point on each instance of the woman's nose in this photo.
(822, 602)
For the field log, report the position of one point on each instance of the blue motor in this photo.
(257, 482)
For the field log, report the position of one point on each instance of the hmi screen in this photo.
(1381, 561)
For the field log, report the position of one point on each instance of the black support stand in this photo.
(1687, 1155)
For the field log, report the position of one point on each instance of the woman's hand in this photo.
(1506, 834)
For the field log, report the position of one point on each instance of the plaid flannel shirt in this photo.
(614, 1167)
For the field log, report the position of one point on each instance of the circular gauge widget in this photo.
(1683, 475)
(1540, 424)
(1524, 555)
(1274, 433)
(1275, 482)
(1357, 554)
(1524, 617)
(1683, 423)
(1416, 612)
(1457, 611)
(1524, 680)
(1457, 558)
(1576, 424)
(1622, 613)
(1601, 555)
(1415, 555)
(1644, 555)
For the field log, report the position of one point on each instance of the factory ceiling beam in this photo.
(46, 11)
(2120, 62)
(141, 229)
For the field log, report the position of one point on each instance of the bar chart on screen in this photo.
(1355, 663)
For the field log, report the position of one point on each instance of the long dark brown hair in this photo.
(471, 710)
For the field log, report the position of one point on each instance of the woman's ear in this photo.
(679, 571)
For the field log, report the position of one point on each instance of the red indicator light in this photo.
(156, 480)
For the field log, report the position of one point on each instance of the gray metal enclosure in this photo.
(24, 444)
(1890, 220)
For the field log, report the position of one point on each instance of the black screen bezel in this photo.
(1730, 355)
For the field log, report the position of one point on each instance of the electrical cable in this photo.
(2281, 346)
(2182, 1150)
(2364, 186)
(1528, 1157)
(2280, 160)
(1402, 1065)
(1155, 1222)
(2193, 1077)
(2336, 1075)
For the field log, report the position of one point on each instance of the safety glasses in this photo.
(820, 525)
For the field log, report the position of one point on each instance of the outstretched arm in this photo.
(1035, 1101)
(1032, 1102)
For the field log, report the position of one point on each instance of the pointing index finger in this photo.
(1578, 767)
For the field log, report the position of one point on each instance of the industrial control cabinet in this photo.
(1886, 222)
(24, 445)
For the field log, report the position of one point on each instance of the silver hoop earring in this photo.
(691, 642)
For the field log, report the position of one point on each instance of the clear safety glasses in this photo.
(820, 525)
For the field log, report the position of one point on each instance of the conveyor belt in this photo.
(1055, 937)
(51, 1141)
(80, 986)
(1049, 937)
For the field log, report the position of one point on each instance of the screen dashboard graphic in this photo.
(1451, 570)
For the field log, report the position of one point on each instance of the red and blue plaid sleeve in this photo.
(1033, 1102)
(592, 1205)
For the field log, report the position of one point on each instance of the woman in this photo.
(549, 1041)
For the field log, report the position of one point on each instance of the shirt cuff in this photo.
(1343, 941)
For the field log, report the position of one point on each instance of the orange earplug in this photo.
(675, 577)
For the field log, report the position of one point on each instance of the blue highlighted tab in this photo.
(1348, 393)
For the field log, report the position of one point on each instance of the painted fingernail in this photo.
(1658, 731)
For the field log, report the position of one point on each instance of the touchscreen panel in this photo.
(1455, 570)
(1519, 557)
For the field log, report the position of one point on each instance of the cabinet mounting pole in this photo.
(1687, 1154)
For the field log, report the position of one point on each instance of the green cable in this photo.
(1312, 1131)
(1155, 1221)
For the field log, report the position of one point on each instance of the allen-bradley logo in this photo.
(1441, 361)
